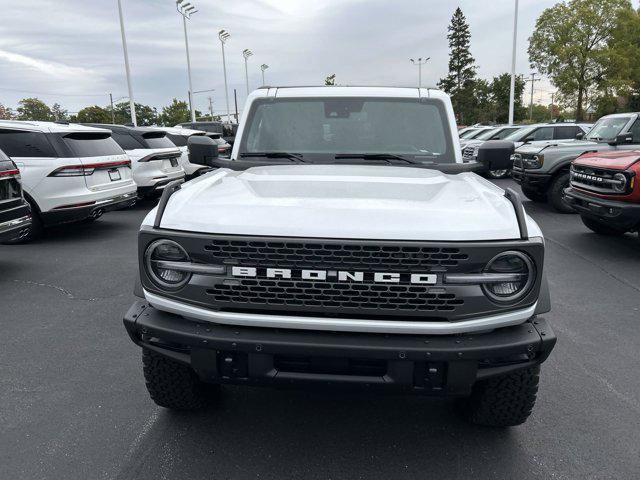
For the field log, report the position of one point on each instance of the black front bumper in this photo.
(623, 215)
(431, 364)
(15, 221)
(532, 180)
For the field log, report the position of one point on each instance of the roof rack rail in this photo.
(169, 190)
(521, 216)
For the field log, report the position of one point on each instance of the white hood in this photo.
(344, 201)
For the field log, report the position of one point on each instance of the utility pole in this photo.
(419, 63)
(512, 91)
(263, 67)
(235, 99)
(186, 10)
(211, 108)
(132, 103)
(533, 80)
(113, 115)
(552, 97)
(223, 35)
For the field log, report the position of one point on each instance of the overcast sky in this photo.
(70, 51)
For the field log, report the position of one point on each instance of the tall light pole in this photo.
(263, 67)
(223, 35)
(419, 63)
(246, 53)
(186, 10)
(132, 104)
(512, 92)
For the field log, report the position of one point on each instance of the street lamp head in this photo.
(246, 53)
(223, 35)
(264, 66)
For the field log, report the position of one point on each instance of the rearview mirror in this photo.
(202, 151)
(496, 154)
(623, 139)
(580, 136)
(530, 139)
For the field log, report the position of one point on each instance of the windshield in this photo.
(468, 133)
(607, 128)
(323, 128)
(520, 134)
(497, 134)
(478, 133)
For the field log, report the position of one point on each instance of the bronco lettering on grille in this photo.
(336, 275)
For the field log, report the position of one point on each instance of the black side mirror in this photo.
(496, 154)
(623, 139)
(202, 151)
(579, 136)
(530, 139)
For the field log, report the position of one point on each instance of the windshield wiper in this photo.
(290, 156)
(372, 156)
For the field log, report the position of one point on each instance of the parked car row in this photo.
(575, 167)
(56, 173)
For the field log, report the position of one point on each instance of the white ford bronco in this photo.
(344, 244)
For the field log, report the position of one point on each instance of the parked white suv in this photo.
(69, 172)
(180, 137)
(154, 158)
(345, 243)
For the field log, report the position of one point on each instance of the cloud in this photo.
(74, 47)
(54, 69)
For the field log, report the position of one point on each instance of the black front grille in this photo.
(333, 255)
(347, 287)
(328, 296)
(517, 160)
(594, 179)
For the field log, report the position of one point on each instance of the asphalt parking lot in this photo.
(73, 403)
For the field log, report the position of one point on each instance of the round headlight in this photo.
(621, 185)
(517, 272)
(162, 260)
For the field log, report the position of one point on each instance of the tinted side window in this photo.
(126, 141)
(635, 131)
(179, 140)
(25, 144)
(92, 145)
(563, 133)
(543, 133)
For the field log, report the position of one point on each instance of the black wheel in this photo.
(534, 195)
(172, 384)
(505, 400)
(35, 230)
(555, 194)
(497, 174)
(600, 227)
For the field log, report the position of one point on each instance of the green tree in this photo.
(330, 80)
(93, 114)
(145, 115)
(59, 113)
(6, 113)
(460, 81)
(500, 92)
(34, 109)
(176, 112)
(570, 43)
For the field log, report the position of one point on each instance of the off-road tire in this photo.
(171, 384)
(534, 195)
(600, 228)
(503, 401)
(555, 193)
